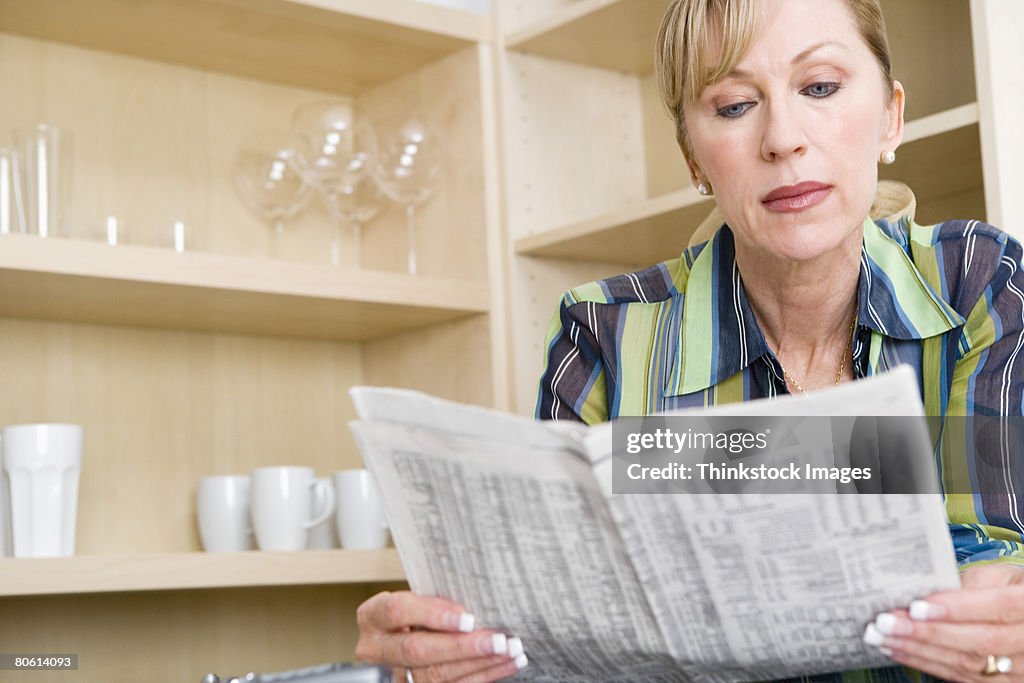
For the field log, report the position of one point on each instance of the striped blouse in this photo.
(948, 299)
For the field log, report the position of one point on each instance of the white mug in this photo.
(323, 536)
(361, 523)
(281, 502)
(223, 513)
(5, 512)
(42, 462)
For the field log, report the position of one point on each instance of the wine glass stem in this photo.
(357, 244)
(278, 239)
(410, 214)
(335, 212)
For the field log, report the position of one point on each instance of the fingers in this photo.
(418, 649)
(976, 639)
(479, 670)
(941, 670)
(1001, 605)
(394, 611)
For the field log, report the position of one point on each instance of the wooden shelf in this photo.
(80, 281)
(610, 34)
(342, 46)
(176, 571)
(935, 160)
(637, 235)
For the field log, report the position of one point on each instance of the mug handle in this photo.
(327, 491)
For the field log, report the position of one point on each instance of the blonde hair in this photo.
(686, 62)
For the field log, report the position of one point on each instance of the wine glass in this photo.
(335, 159)
(407, 169)
(266, 182)
(357, 205)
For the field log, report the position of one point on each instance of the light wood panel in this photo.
(451, 361)
(573, 141)
(518, 15)
(146, 287)
(182, 635)
(162, 409)
(938, 168)
(664, 163)
(998, 25)
(930, 42)
(175, 571)
(609, 34)
(341, 46)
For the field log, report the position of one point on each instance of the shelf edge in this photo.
(84, 574)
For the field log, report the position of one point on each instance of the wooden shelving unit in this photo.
(219, 360)
(60, 279)
(339, 46)
(84, 574)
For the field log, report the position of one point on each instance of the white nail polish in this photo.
(872, 636)
(499, 643)
(920, 610)
(885, 651)
(886, 623)
(515, 647)
(466, 622)
(521, 661)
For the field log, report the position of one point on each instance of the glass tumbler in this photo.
(42, 179)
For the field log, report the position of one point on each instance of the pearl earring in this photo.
(703, 189)
(889, 157)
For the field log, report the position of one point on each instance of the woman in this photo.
(783, 110)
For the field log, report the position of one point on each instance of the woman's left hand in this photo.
(952, 633)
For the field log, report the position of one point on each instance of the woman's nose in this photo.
(783, 132)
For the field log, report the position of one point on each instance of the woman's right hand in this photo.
(435, 639)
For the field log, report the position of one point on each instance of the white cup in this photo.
(5, 514)
(42, 462)
(281, 503)
(323, 536)
(223, 512)
(361, 523)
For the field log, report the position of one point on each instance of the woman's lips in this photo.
(799, 200)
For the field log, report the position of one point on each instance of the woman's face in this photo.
(790, 141)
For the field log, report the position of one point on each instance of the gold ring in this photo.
(997, 665)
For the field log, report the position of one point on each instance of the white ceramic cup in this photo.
(323, 536)
(43, 462)
(224, 514)
(5, 512)
(361, 523)
(281, 503)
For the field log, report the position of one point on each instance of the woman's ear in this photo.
(696, 177)
(893, 134)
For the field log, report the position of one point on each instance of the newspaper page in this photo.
(504, 515)
(517, 519)
(755, 586)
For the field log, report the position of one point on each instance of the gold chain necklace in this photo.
(842, 362)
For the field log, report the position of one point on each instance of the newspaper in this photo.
(516, 519)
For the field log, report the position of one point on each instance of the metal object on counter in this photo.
(335, 672)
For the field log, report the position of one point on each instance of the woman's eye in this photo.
(734, 111)
(821, 90)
